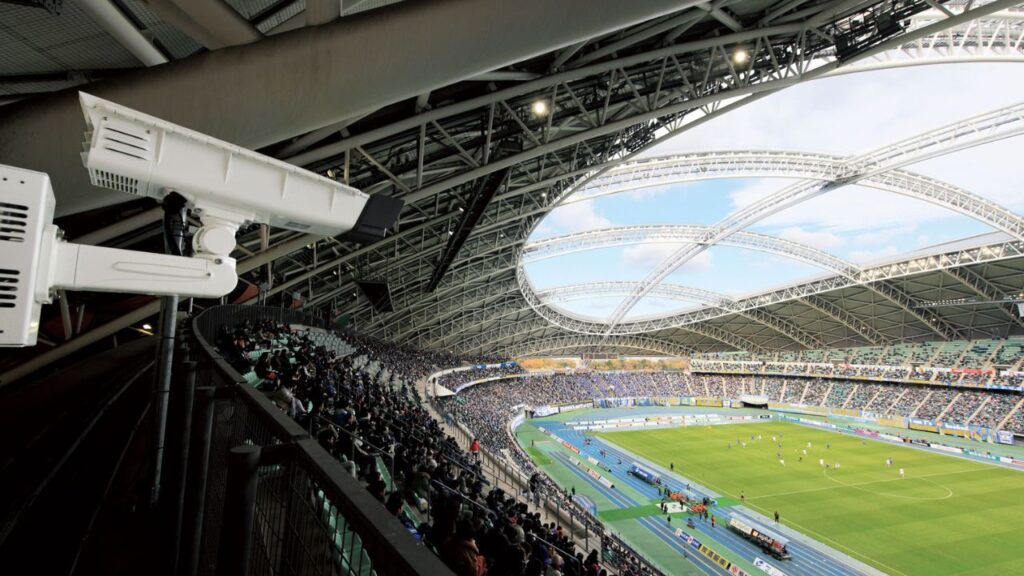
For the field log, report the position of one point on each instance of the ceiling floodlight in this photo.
(740, 56)
(540, 108)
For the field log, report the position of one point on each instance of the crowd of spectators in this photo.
(936, 403)
(839, 393)
(814, 393)
(487, 407)
(965, 405)
(363, 409)
(453, 380)
(930, 361)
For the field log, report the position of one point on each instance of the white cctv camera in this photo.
(224, 185)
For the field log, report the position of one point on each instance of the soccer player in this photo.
(781, 461)
(901, 473)
(821, 461)
(776, 516)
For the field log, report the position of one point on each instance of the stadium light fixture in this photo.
(740, 56)
(540, 108)
(147, 326)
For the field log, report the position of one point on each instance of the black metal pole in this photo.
(198, 469)
(188, 386)
(239, 511)
(175, 222)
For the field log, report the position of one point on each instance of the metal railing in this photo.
(210, 320)
(269, 499)
(585, 527)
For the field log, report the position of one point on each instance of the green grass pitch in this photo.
(947, 516)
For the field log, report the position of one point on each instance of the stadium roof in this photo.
(483, 145)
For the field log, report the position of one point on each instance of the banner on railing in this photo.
(573, 407)
(541, 411)
(711, 554)
(767, 568)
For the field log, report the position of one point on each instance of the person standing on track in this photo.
(776, 516)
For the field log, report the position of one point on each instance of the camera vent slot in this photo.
(13, 222)
(8, 287)
(117, 182)
(126, 142)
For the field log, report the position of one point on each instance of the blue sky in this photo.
(843, 115)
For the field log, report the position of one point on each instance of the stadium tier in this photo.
(358, 398)
(487, 402)
(977, 363)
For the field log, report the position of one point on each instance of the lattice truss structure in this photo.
(478, 169)
(604, 112)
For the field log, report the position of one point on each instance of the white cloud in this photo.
(576, 217)
(856, 112)
(757, 190)
(700, 264)
(873, 256)
(820, 239)
(647, 256)
(647, 193)
(882, 235)
(855, 209)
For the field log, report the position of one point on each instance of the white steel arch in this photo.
(681, 293)
(678, 292)
(679, 168)
(981, 129)
(870, 278)
(575, 341)
(680, 233)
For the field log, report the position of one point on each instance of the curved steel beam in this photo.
(678, 292)
(492, 340)
(686, 294)
(867, 278)
(982, 287)
(844, 317)
(677, 234)
(573, 342)
(991, 126)
(440, 337)
(681, 168)
(930, 47)
(784, 327)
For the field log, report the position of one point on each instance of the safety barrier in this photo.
(270, 499)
